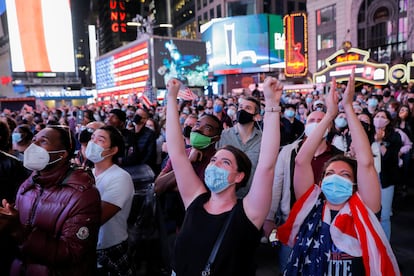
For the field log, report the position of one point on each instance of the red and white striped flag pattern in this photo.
(124, 72)
(145, 101)
(186, 94)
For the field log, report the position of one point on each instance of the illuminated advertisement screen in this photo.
(40, 34)
(241, 44)
(276, 42)
(182, 59)
(123, 71)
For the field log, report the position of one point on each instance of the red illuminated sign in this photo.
(296, 46)
(118, 16)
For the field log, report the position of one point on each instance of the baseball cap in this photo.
(318, 102)
(119, 113)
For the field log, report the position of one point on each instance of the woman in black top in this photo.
(207, 212)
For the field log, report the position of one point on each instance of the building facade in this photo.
(382, 27)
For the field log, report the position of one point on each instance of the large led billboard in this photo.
(40, 34)
(182, 59)
(123, 71)
(244, 44)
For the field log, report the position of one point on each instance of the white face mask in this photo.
(309, 128)
(94, 152)
(37, 158)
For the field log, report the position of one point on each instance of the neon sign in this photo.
(341, 63)
(296, 49)
(118, 16)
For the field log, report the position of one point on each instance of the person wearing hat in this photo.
(319, 105)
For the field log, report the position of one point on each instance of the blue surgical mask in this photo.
(372, 102)
(16, 137)
(337, 189)
(341, 122)
(216, 179)
(217, 108)
(289, 113)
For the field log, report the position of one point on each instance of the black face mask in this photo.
(367, 127)
(137, 119)
(187, 131)
(244, 117)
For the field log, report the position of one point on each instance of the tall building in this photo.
(381, 27)
(209, 9)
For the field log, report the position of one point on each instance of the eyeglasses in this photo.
(66, 129)
(410, 100)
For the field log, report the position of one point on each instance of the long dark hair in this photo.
(389, 129)
(243, 163)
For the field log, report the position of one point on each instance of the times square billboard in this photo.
(149, 63)
(40, 35)
(244, 44)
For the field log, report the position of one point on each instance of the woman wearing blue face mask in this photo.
(21, 138)
(333, 227)
(211, 204)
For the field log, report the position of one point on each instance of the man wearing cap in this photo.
(319, 105)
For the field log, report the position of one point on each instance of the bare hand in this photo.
(173, 86)
(379, 134)
(195, 155)
(8, 215)
(331, 100)
(272, 90)
(349, 93)
(268, 227)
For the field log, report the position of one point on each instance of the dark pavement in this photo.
(402, 239)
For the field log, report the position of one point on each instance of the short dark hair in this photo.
(256, 102)
(117, 140)
(243, 163)
(217, 120)
(340, 157)
(66, 138)
(27, 134)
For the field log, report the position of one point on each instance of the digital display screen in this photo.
(182, 59)
(244, 44)
(40, 34)
(123, 71)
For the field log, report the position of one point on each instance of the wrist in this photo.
(273, 108)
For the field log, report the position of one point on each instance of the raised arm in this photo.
(367, 178)
(189, 185)
(303, 174)
(257, 201)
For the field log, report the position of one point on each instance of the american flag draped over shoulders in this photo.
(355, 230)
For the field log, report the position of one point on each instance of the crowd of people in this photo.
(317, 171)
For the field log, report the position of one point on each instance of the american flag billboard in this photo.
(123, 71)
(40, 34)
